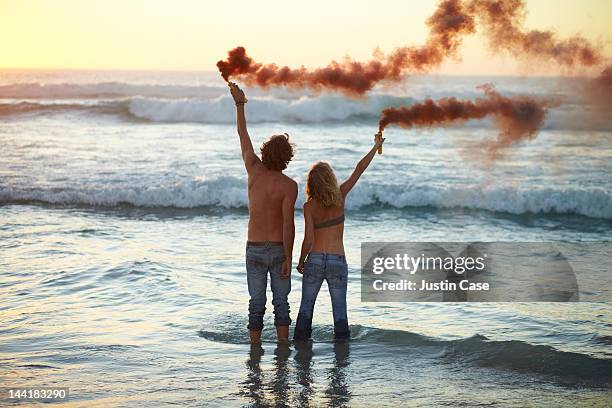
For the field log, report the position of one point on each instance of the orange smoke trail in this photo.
(453, 19)
(503, 20)
(447, 26)
(599, 89)
(517, 118)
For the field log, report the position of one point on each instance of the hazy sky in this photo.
(193, 35)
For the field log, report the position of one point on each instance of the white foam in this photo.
(319, 109)
(221, 109)
(174, 103)
(306, 109)
(230, 192)
(593, 202)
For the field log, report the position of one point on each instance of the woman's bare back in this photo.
(328, 239)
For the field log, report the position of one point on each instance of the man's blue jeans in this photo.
(333, 269)
(261, 260)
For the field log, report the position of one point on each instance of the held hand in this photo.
(286, 269)
(379, 140)
(237, 93)
(300, 268)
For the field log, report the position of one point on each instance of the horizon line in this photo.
(537, 75)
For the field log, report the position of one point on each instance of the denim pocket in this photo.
(315, 259)
(312, 273)
(278, 259)
(337, 262)
(308, 268)
(255, 256)
(337, 274)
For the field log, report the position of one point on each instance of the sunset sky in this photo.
(193, 35)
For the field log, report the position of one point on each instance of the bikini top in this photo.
(330, 223)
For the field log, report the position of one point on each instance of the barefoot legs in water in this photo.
(282, 333)
(255, 336)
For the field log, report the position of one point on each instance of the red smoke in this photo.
(447, 26)
(453, 19)
(503, 19)
(599, 89)
(518, 118)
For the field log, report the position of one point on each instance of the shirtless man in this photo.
(271, 232)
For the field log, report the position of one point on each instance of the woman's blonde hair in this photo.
(321, 184)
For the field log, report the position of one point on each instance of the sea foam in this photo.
(230, 192)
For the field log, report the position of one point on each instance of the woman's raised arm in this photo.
(362, 165)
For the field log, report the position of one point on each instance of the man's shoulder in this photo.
(281, 181)
(292, 188)
(288, 182)
(256, 168)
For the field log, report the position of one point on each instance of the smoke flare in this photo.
(518, 118)
(447, 26)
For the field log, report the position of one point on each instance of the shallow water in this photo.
(122, 260)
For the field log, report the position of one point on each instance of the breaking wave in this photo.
(230, 192)
(273, 108)
(215, 110)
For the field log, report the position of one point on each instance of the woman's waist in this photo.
(328, 245)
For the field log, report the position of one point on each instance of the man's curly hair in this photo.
(277, 152)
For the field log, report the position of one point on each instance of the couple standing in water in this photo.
(271, 232)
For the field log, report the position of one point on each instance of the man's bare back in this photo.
(268, 189)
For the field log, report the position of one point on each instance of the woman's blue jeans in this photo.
(333, 269)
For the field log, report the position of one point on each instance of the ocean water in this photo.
(123, 223)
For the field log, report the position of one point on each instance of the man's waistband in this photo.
(264, 243)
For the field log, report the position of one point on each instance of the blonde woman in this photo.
(322, 257)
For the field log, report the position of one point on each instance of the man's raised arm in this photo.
(248, 154)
